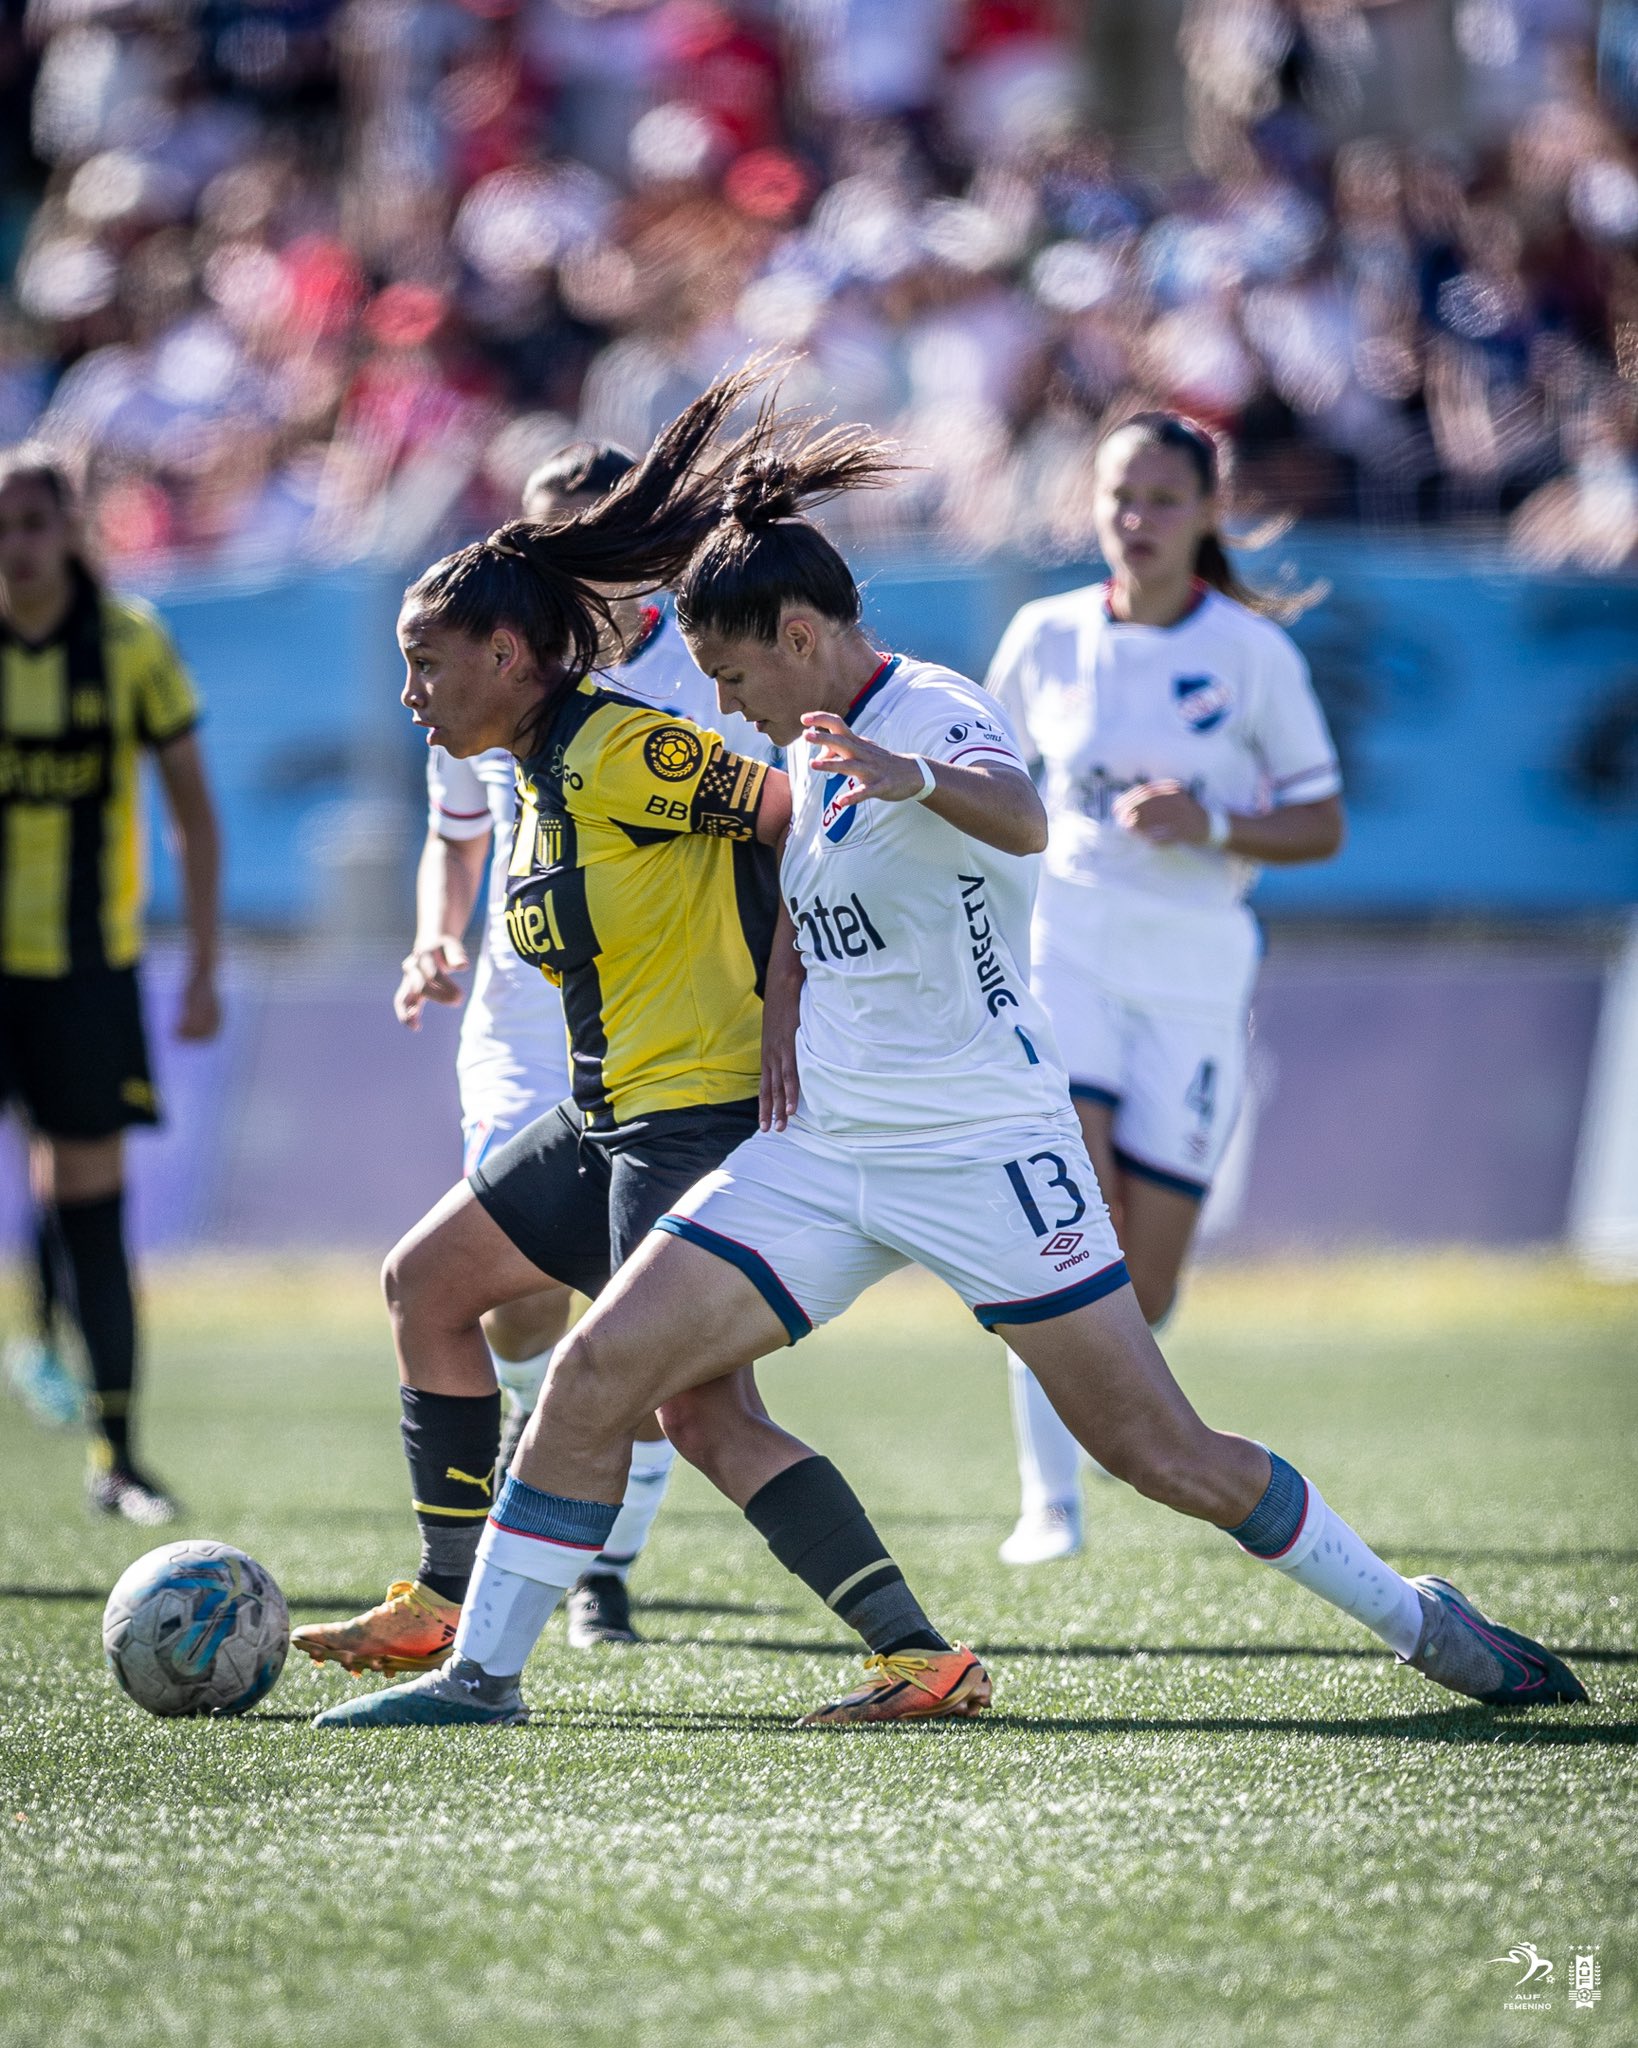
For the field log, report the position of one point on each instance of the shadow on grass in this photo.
(1227, 1652)
(1475, 1725)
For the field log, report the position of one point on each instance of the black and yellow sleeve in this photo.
(649, 773)
(167, 705)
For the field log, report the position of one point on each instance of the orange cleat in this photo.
(913, 1685)
(412, 1630)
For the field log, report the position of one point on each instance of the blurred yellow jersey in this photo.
(75, 712)
(638, 886)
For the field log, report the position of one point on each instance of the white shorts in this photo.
(501, 1095)
(1009, 1214)
(1173, 1076)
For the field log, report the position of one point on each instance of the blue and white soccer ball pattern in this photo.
(196, 1628)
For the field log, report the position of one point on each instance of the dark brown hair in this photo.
(1201, 448)
(29, 462)
(585, 469)
(540, 579)
(761, 554)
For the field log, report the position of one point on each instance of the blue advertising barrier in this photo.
(298, 677)
(1488, 721)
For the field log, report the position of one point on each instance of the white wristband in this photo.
(929, 781)
(1218, 826)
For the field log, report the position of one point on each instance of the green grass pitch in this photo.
(1204, 1810)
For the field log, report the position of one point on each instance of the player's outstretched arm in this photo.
(994, 804)
(447, 882)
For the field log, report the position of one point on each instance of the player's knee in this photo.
(692, 1430)
(407, 1278)
(392, 1279)
(589, 1389)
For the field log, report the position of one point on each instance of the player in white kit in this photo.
(512, 1059)
(1175, 737)
(914, 1108)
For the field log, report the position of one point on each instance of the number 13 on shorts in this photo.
(1044, 1184)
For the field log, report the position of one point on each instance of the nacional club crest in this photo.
(1202, 701)
(836, 820)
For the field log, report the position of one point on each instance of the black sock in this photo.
(816, 1527)
(98, 1289)
(451, 1442)
(47, 1292)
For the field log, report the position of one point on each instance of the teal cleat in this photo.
(1467, 1653)
(44, 1385)
(451, 1697)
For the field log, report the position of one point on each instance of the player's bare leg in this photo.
(1101, 1368)
(622, 1362)
(1156, 1227)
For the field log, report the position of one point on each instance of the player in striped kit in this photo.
(1175, 737)
(512, 1061)
(914, 1108)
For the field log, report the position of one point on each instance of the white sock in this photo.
(1049, 1458)
(1335, 1562)
(645, 1489)
(522, 1378)
(516, 1583)
(502, 1618)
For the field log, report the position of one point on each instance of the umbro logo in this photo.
(1061, 1245)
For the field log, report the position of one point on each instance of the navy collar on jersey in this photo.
(889, 663)
(1199, 591)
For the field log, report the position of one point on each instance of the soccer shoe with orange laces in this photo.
(412, 1630)
(911, 1685)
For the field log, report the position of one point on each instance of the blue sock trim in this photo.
(1271, 1528)
(526, 1511)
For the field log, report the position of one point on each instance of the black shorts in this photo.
(576, 1203)
(73, 1053)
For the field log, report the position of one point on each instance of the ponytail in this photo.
(761, 554)
(541, 580)
(1212, 564)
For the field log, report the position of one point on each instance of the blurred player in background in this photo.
(89, 682)
(642, 881)
(1179, 747)
(513, 1061)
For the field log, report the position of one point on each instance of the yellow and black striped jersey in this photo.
(75, 712)
(638, 886)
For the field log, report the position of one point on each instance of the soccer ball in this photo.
(196, 1628)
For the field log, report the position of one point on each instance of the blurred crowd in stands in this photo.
(325, 278)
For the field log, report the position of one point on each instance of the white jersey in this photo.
(514, 1016)
(916, 1009)
(1221, 702)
